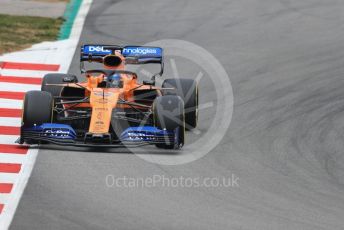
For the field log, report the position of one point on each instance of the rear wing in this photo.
(135, 55)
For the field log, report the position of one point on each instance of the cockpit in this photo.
(111, 78)
(115, 81)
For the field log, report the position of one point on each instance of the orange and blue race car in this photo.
(112, 107)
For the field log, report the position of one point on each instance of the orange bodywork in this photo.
(104, 100)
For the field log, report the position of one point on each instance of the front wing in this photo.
(61, 134)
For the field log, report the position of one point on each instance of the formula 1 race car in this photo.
(111, 108)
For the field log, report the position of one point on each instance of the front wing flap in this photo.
(61, 134)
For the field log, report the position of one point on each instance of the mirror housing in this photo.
(68, 79)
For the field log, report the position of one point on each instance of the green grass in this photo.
(19, 32)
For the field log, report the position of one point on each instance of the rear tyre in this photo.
(168, 114)
(187, 89)
(56, 78)
(37, 109)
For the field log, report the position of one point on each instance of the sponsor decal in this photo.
(142, 51)
(100, 109)
(101, 94)
(96, 50)
(103, 101)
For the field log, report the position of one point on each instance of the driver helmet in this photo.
(116, 80)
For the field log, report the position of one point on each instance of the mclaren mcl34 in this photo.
(112, 107)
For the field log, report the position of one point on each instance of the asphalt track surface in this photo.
(285, 143)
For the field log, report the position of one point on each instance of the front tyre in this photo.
(168, 114)
(37, 109)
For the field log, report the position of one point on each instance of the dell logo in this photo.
(97, 49)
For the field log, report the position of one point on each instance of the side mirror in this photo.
(149, 82)
(69, 80)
